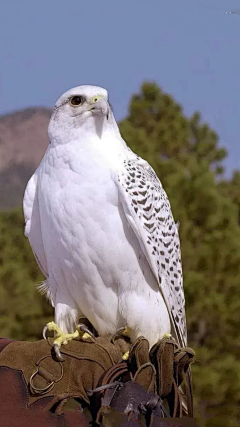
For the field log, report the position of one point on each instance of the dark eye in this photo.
(76, 100)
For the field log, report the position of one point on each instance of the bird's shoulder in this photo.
(148, 205)
(137, 176)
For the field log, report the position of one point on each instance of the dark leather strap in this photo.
(189, 392)
(105, 396)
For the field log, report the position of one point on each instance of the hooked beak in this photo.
(101, 107)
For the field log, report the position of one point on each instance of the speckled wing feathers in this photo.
(148, 211)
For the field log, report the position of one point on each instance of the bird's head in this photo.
(83, 107)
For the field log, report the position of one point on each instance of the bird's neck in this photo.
(98, 138)
(94, 126)
(100, 126)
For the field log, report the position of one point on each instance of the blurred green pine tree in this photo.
(23, 312)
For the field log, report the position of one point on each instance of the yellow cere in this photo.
(95, 98)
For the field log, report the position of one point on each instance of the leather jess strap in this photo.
(123, 395)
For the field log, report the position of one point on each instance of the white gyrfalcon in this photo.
(101, 228)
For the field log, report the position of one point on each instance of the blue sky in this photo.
(191, 48)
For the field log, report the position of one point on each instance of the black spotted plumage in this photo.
(149, 212)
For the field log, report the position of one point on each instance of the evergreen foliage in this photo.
(186, 156)
(23, 312)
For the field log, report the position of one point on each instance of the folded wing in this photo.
(148, 212)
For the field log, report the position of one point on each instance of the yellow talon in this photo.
(167, 335)
(61, 337)
(126, 331)
(125, 356)
(52, 326)
(85, 336)
(64, 338)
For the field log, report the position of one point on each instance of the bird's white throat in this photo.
(81, 128)
(96, 138)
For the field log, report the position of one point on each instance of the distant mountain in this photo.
(23, 141)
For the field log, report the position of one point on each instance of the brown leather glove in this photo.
(47, 378)
(128, 388)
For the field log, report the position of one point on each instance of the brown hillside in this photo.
(23, 141)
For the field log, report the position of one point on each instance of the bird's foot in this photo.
(125, 331)
(63, 338)
(167, 335)
(84, 332)
(60, 337)
(125, 356)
